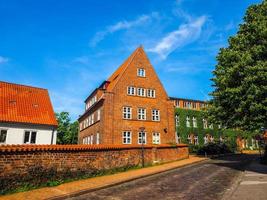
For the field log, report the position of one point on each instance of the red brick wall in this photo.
(27, 163)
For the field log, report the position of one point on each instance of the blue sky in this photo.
(70, 47)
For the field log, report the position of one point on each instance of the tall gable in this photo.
(128, 70)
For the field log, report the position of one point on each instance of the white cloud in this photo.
(185, 34)
(3, 60)
(121, 25)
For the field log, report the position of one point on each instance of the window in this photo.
(206, 140)
(178, 139)
(205, 124)
(177, 120)
(196, 140)
(189, 138)
(177, 103)
(211, 138)
(140, 136)
(141, 92)
(194, 105)
(3, 134)
(141, 114)
(151, 93)
(211, 126)
(98, 114)
(127, 113)
(97, 138)
(156, 138)
(155, 115)
(131, 90)
(194, 122)
(91, 102)
(81, 126)
(187, 121)
(92, 118)
(92, 139)
(141, 72)
(126, 137)
(30, 137)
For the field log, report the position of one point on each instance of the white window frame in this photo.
(140, 137)
(127, 112)
(206, 139)
(187, 121)
(92, 139)
(2, 132)
(141, 114)
(141, 72)
(98, 114)
(97, 138)
(196, 139)
(194, 119)
(156, 138)
(141, 92)
(205, 123)
(190, 139)
(126, 137)
(131, 90)
(177, 120)
(92, 118)
(155, 115)
(151, 93)
(30, 137)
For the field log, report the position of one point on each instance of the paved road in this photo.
(201, 181)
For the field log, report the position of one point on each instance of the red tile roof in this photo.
(25, 104)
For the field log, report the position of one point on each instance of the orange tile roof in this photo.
(25, 104)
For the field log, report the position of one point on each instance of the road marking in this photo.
(253, 182)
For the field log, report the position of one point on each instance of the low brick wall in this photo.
(38, 164)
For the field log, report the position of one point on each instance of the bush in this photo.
(216, 148)
(194, 148)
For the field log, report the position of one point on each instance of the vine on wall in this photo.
(184, 131)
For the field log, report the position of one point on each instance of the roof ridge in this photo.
(23, 85)
(124, 66)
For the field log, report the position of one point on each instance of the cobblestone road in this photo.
(201, 181)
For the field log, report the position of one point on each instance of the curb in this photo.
(81, 192)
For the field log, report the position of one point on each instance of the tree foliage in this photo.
(240, 77)
(67, 132)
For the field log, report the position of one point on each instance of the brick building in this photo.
(131, 99)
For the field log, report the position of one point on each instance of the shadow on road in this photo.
(241, 162)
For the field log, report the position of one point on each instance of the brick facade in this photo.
(40, 163)
(112, 97)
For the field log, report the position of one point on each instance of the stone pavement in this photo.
(92, 184)
(252, 184)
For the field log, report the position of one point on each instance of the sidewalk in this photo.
(253, 183)
(91, 184)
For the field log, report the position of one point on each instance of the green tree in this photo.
(67, 132)
(240, 77)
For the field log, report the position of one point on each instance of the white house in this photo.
(26, 115)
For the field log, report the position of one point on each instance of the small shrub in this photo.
(216, 148)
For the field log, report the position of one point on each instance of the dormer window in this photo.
(141, 72)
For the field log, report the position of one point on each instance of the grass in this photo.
(26, 186)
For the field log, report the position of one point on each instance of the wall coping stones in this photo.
(79, 147)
